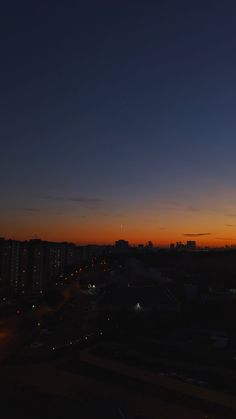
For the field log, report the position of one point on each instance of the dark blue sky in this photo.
(117, 112)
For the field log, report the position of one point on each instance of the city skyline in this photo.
(118, 115)
(189, 239)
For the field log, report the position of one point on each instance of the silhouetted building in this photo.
(91, 250)
(141, 247)
(15, 266)
(24, 269)
(70, 255)
(5, 260)
(38, 266)
(122, 245)
(191, 245)
(179, 245)
(56, 259)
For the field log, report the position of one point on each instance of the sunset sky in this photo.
(118, 120)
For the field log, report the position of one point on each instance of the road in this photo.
(54, 380)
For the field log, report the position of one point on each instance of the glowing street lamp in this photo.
(138, 307)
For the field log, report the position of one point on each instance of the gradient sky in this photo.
(118, 120)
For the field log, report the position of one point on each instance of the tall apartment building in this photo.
(5, 259)
(38, 277)
(15, 266)
(56, 259)
(24, 269)
(29, 267)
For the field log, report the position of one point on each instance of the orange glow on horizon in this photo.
(207, 228)
(109, 239)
